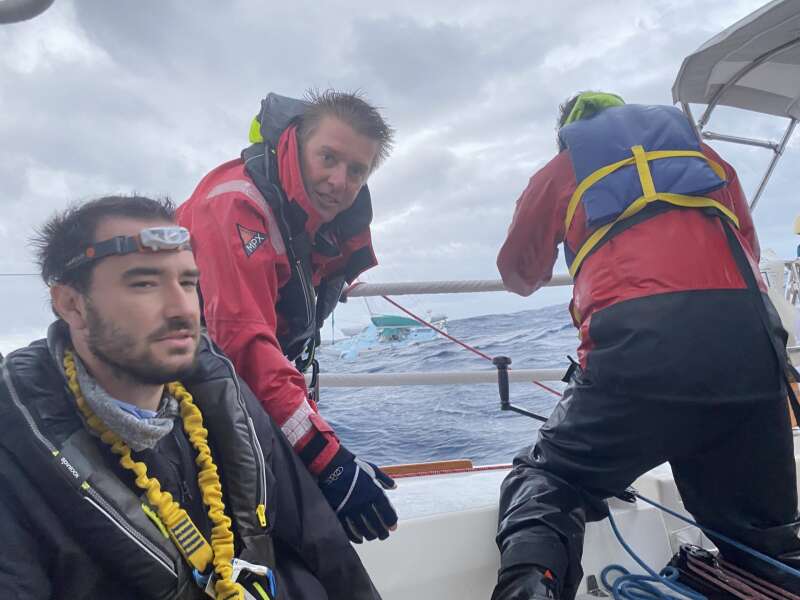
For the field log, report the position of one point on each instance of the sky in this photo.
(101, 97)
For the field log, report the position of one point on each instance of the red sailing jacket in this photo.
(243, 266)
(675, 251)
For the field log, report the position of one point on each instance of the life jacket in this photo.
(303, 306)
(108, 519)
(632, 162)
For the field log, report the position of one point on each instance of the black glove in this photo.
(354, 488)
(526, 582)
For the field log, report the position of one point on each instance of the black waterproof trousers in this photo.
(686, 378)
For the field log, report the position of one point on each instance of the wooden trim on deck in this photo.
(440, 467)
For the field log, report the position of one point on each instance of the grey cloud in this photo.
(441, 63)
(176, 83)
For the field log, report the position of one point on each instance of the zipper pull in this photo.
(261, 512)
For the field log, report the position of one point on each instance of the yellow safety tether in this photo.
(179, 526)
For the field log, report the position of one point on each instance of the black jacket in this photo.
(71, 519)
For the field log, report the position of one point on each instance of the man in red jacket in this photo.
(276, 234)
(681, 352)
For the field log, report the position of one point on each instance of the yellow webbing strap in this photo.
(645, 177)
(639, 204)
(608, 169)
(641, 159)
(261, 591)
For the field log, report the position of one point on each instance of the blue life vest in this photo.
(627, 157)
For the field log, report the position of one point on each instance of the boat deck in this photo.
(445, 540)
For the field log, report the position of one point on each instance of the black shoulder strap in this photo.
(266, 178)
(790, 374)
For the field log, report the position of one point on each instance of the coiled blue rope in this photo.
(628, 586)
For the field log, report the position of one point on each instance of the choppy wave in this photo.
(424, 423)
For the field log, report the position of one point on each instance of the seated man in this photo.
(681, 350)
(134, 463)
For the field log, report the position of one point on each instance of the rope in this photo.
(437, 330)
(629, 586)
(767, 559)
(459, 342)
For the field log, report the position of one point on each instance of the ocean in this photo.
(394, 425)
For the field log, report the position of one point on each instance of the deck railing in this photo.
(480, 376)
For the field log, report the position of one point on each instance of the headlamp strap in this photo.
(117, 245)
(152, 239)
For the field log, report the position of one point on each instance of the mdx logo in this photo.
(251, 239)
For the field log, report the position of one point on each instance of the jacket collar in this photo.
(345, 242)
(291, 178)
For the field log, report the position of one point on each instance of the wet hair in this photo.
(70, 232)
(566, 107)
(350, 108)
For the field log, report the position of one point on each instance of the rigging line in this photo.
(712, 533)
(459, 342)
(369, 308)
(437, 330)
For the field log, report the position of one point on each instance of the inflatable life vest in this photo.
(625, 159)
(104, 515)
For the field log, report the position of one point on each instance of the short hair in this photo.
(350, 108)
(70, 232)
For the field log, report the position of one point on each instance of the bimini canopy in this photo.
(754, 64)
(14, 11)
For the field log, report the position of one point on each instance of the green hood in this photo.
(589, 104)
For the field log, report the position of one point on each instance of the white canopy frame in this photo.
(753, 65)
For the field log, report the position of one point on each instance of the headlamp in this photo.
(152, 239)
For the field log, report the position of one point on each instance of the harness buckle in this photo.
(313, 388)
(257, 581)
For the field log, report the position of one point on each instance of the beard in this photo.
(132, 360)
